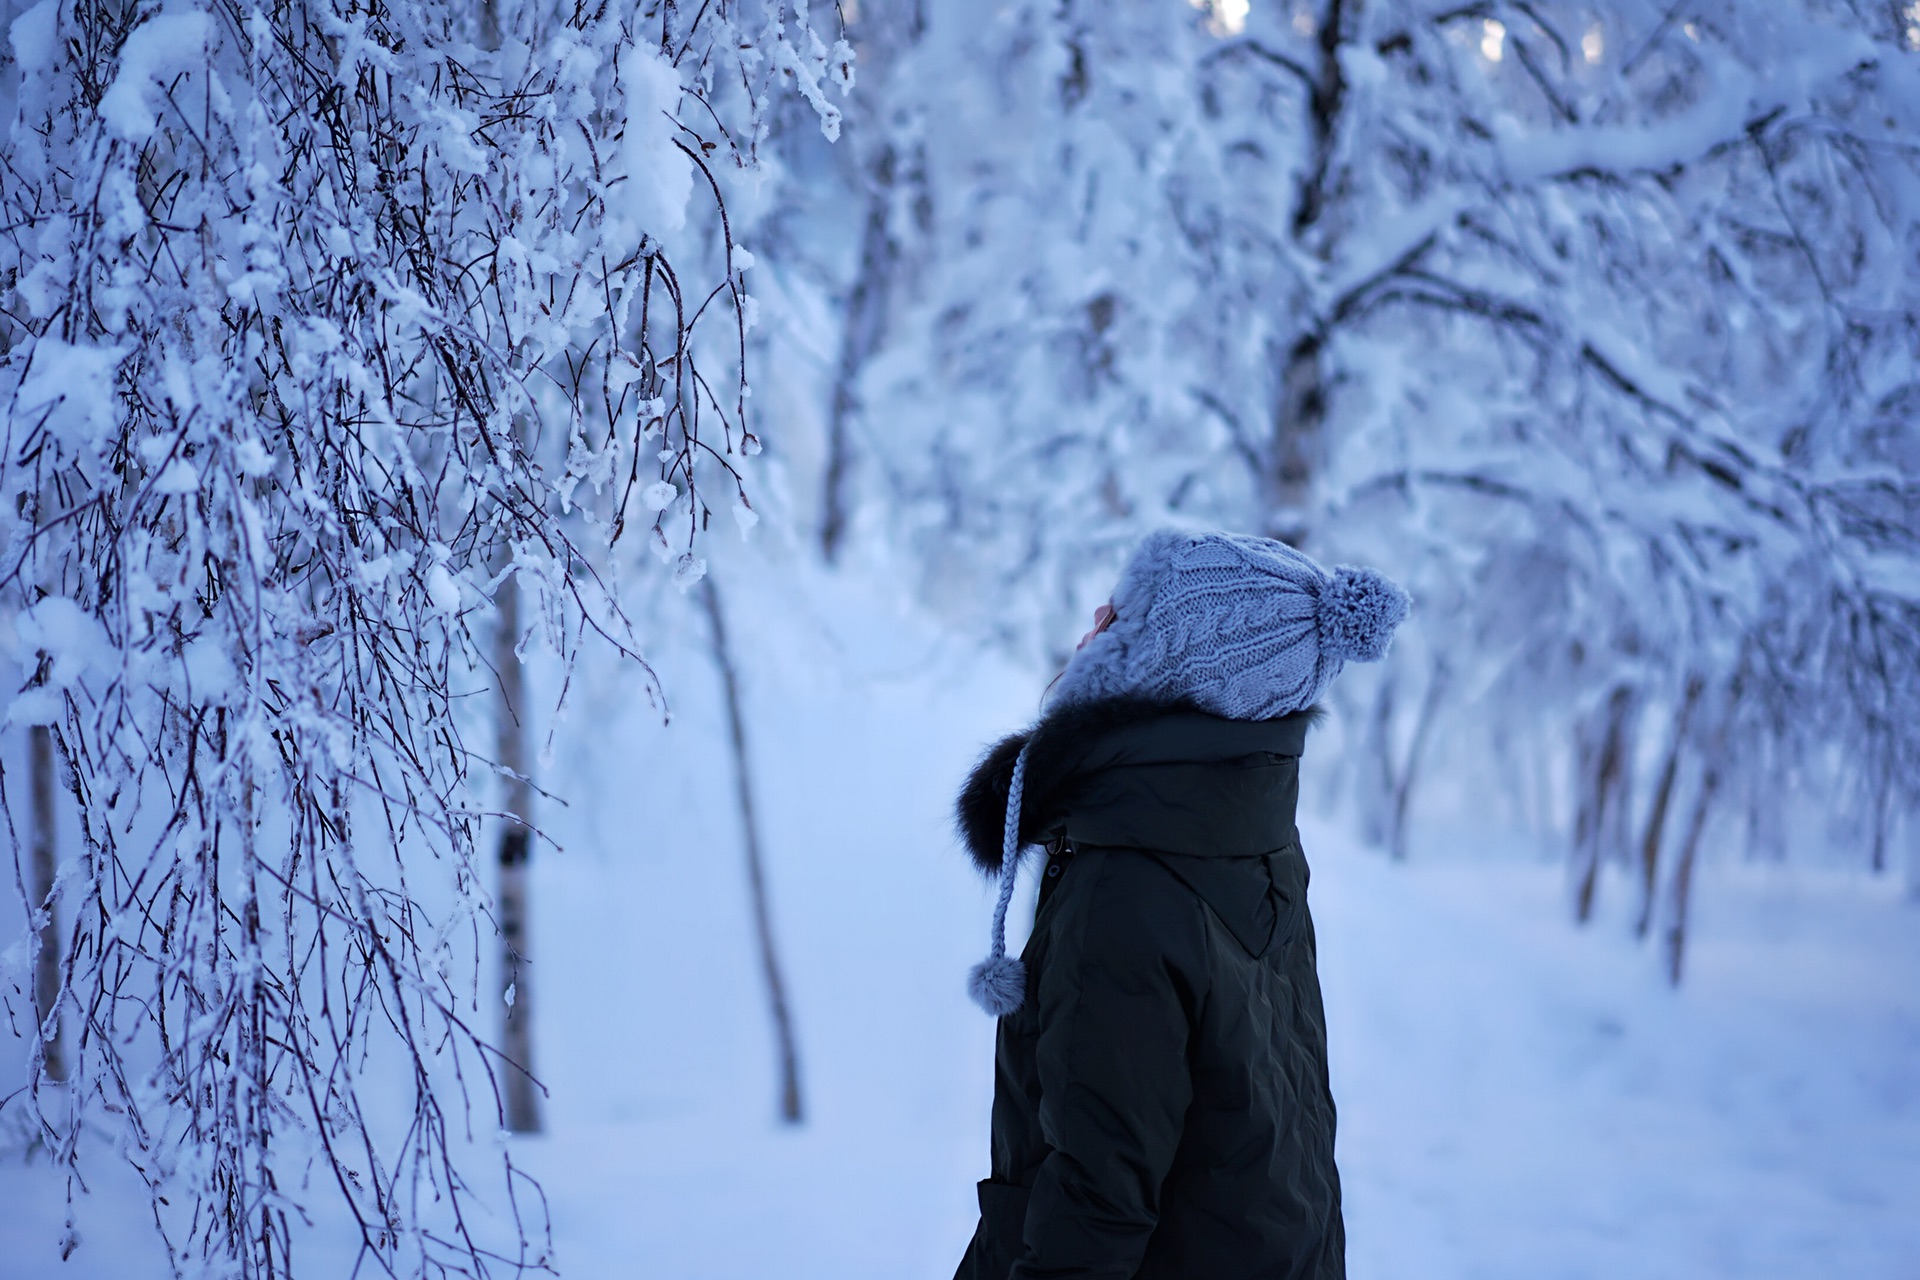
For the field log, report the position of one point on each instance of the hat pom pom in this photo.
(1358, 611)
(998, 985)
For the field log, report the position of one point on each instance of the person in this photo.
(1161, 1106)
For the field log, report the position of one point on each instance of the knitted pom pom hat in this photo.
(1246, 628)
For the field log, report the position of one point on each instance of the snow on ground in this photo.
(1518, 1098)
(1521, 1099)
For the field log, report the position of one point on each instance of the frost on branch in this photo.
(317, 317)
(1591, 324)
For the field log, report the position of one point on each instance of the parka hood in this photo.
(1141, 772)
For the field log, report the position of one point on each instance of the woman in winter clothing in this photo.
(1161, 1108)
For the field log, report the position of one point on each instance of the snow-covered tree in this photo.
(1591, 320)
(325, 327)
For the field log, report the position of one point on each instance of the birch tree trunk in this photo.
(516, 847)
(46, 965)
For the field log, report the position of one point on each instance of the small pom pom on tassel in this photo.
(1357, 614)
(998, 984)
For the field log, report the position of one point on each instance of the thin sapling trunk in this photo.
(1416, 752)
(1603, 806)
(1662, 800)
(1683, 873)
(790, 1105)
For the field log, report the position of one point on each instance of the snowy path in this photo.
(1518, 1099)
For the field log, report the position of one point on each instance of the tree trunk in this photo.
(1655, 832)
(1299, 425)
(1326, 99)
(866, 311)
(1416, 751)
(516, 847)
(1602, 809)
(46, 965)
(790, 1105)
(1377, 773)
(1298, 444)
(1882, 816)
(1683, 873)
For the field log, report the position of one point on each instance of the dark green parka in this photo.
(1161, 1107)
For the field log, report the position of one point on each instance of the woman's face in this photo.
(1102, 619)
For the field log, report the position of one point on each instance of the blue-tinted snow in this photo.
(1518, 1098)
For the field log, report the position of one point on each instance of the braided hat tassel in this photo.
(998, 984)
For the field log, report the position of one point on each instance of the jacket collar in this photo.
(1082, 747)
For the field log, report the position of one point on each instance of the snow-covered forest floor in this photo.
(1519, 1098)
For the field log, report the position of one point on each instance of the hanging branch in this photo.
(317, 319)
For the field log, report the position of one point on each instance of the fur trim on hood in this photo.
(1059, 749)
